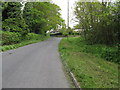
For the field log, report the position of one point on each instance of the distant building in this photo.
(78, 30)
(53, 31)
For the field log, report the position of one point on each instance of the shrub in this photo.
(10, 38)
(108, 53)
(111, 55)
(30, 36)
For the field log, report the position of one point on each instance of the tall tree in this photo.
(12, 19)
(11, 10)
(97, 21)
(42, 16)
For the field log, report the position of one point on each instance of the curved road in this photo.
(34, 66)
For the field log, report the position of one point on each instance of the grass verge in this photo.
(23, 43)
(90, 71)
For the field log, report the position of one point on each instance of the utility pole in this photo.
(68, 16)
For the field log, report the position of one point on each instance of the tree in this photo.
(97, 21)
(11, 10)
(42, 16)
(12, 19)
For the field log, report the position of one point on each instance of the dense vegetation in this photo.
(94, 56)
(90, 70)
(99, 21)
(30, 38)
(41, 17)
(28, 21)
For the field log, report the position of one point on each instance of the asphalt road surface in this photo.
(34, 66)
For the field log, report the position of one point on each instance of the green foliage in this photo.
(15, 25)
(111, 55)
(31, 24)
(31, 36)
(106, 52)
(99, 20)
(33, 18)
(10, 38)
(11, 10)
(12, 19)
(89, 70)
(42, 16)
(4, 5)
(64, 32)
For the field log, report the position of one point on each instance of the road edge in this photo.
(69, 73)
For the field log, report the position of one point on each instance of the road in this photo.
(34, 66)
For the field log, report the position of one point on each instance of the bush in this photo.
(10, 38)
(111, 55)
(108, 53)
(30, 36)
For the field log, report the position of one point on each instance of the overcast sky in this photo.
(63, 6)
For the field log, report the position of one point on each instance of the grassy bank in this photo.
(90, 70)
(23, 43)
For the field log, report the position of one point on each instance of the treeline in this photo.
(24, 22)
(100, 21)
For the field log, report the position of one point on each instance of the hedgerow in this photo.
(10, 37)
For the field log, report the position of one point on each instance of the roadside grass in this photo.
(90, 70)
(23, 43)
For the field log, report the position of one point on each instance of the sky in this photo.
(63, 5)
